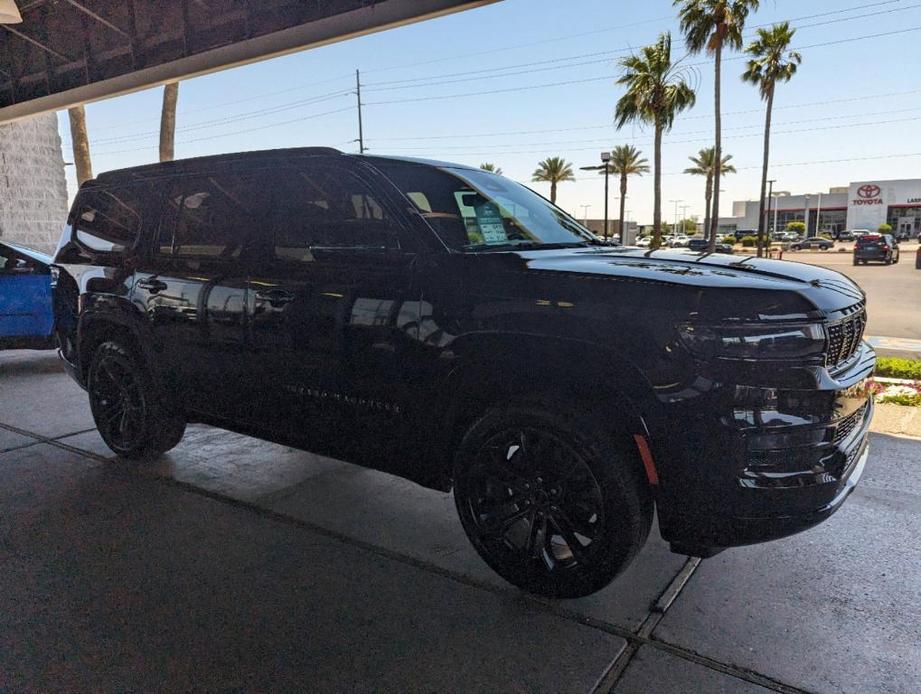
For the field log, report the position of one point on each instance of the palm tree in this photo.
(704, 165)
(168, 121)
(772, 62)
(656, 93)
(626, 160)
(81, 143)
(492, 168)
(709, 25)
(553, 170)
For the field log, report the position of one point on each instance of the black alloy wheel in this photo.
(128, 414)
(545, 511)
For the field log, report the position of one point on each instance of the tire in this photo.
(531, 485)
(131, 417)
(856, 262)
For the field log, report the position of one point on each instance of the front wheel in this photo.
(129, 414)
(553, 507)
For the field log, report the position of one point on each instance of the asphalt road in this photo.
(893, 291)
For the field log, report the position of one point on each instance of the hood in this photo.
(824, 289)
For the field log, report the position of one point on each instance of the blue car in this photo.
(26, 310)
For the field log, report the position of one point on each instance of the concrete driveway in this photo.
(232, 563)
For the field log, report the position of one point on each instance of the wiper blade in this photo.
(523, 245)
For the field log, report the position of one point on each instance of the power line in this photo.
(440, 97)
(544, 145)
(868, 97)
(260, 113)
(235, 132)
(553, 64)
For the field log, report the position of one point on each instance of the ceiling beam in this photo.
(371, 18)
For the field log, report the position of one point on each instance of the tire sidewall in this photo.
(627, 502)
(142, 443)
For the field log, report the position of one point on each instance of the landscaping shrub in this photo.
(749, 241)
(893, 367)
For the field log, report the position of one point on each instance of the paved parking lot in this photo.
(235, 563)
(893, 291)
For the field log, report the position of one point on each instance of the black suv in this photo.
(450, 326)
(878, 247)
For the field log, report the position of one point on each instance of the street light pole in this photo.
(605, 159)
(585, 214)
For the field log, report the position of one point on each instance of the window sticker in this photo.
(489, 220)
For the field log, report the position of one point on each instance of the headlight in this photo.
(754, 341)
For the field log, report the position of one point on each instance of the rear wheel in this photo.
(130, 416)
(553, 507)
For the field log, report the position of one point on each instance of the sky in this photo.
(521, 80)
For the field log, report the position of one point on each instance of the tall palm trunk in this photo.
(718, 146)
(762, 221)
(553, 192)
(657, 188)
(623, 205)
(708, 197)
(168, 121)
(81, 144)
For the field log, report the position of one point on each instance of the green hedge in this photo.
(893, 367)
(749, 241)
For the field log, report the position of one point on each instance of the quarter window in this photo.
(109, 220)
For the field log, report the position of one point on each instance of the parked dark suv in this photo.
(881, 248)
(450, 326)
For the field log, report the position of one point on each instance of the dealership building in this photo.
(861, 205)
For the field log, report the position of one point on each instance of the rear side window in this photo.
(211, 217)
(109, 220)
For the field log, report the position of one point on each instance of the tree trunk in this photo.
(553, 192)
(168, 121)
(657, 190)
(762, 220)
(708, 197)
(718, 146)
(623, 205)
(81, 144)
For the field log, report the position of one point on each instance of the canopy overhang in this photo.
(68, 52)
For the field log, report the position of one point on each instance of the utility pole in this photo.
(675, 228)
(361, 134)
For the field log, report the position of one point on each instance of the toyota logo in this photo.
(869, 191)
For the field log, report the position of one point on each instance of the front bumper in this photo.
(771, 469)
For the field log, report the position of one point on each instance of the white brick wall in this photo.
(33, 191)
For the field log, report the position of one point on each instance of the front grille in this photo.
(848, 424)
(844, 337)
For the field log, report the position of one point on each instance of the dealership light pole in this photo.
(818, 216)
(606, 167)
(585, 214)
(806, 216)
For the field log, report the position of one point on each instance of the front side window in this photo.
(109, 220)
(320, 208)
(474, 210)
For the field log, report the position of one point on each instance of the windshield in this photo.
(474, 210)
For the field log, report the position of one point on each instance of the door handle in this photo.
(275, 297)
(152, 284)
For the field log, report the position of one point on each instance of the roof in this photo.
(196, 164)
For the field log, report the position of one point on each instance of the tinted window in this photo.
(109, 220)
(212, 217)
(319, 208)
(475, 210)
